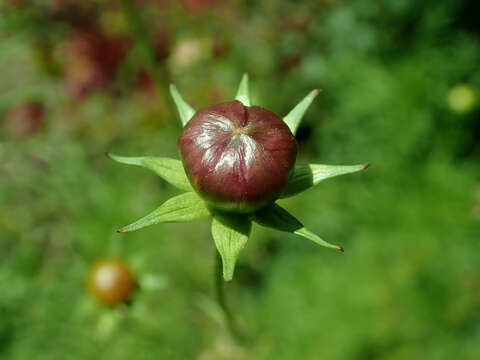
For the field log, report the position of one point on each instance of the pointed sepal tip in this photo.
(276, 217)
(230, 233)
(171, 170)
(243, 93)
(306, 176)
(181, 208)
(185, 111)
(294, 117)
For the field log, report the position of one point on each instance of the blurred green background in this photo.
(400, 81)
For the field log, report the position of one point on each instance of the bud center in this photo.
(240, 130)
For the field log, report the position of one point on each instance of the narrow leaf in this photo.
(307, 234)
(278, 218)
(242, 93)
(170, 170)
(181, 208)
(294, 117)
(184, 110)
(306, 176)
(230, 233)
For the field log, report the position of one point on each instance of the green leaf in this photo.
(185, 111)
(230, 233)
(294, 117)
(306, 176)
(181, 208)
(242, 93)
(278, 218)
(170, 170)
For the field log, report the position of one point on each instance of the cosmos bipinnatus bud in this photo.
(238, 158)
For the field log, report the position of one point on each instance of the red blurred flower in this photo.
(24, 119)
(91, 60)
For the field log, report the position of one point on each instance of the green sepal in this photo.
(170, 170)
(185, 111)
(242, 93)
(294, 117)
(230, 233)
(181, 208)
(278, 218)
(306, 176)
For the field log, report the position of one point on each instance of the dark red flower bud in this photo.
(238, 158)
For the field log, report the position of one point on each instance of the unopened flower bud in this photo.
(238, 158)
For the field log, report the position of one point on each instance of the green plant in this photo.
(237, 161)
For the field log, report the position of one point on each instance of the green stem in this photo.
(220, 295)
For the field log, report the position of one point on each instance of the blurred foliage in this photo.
(400, 80)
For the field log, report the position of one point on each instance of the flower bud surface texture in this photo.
(238, 158)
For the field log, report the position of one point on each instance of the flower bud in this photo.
(238, 158)
(111, 281)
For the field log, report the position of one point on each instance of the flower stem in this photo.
(220, 297)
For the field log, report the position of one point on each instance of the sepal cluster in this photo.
(230, 230)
